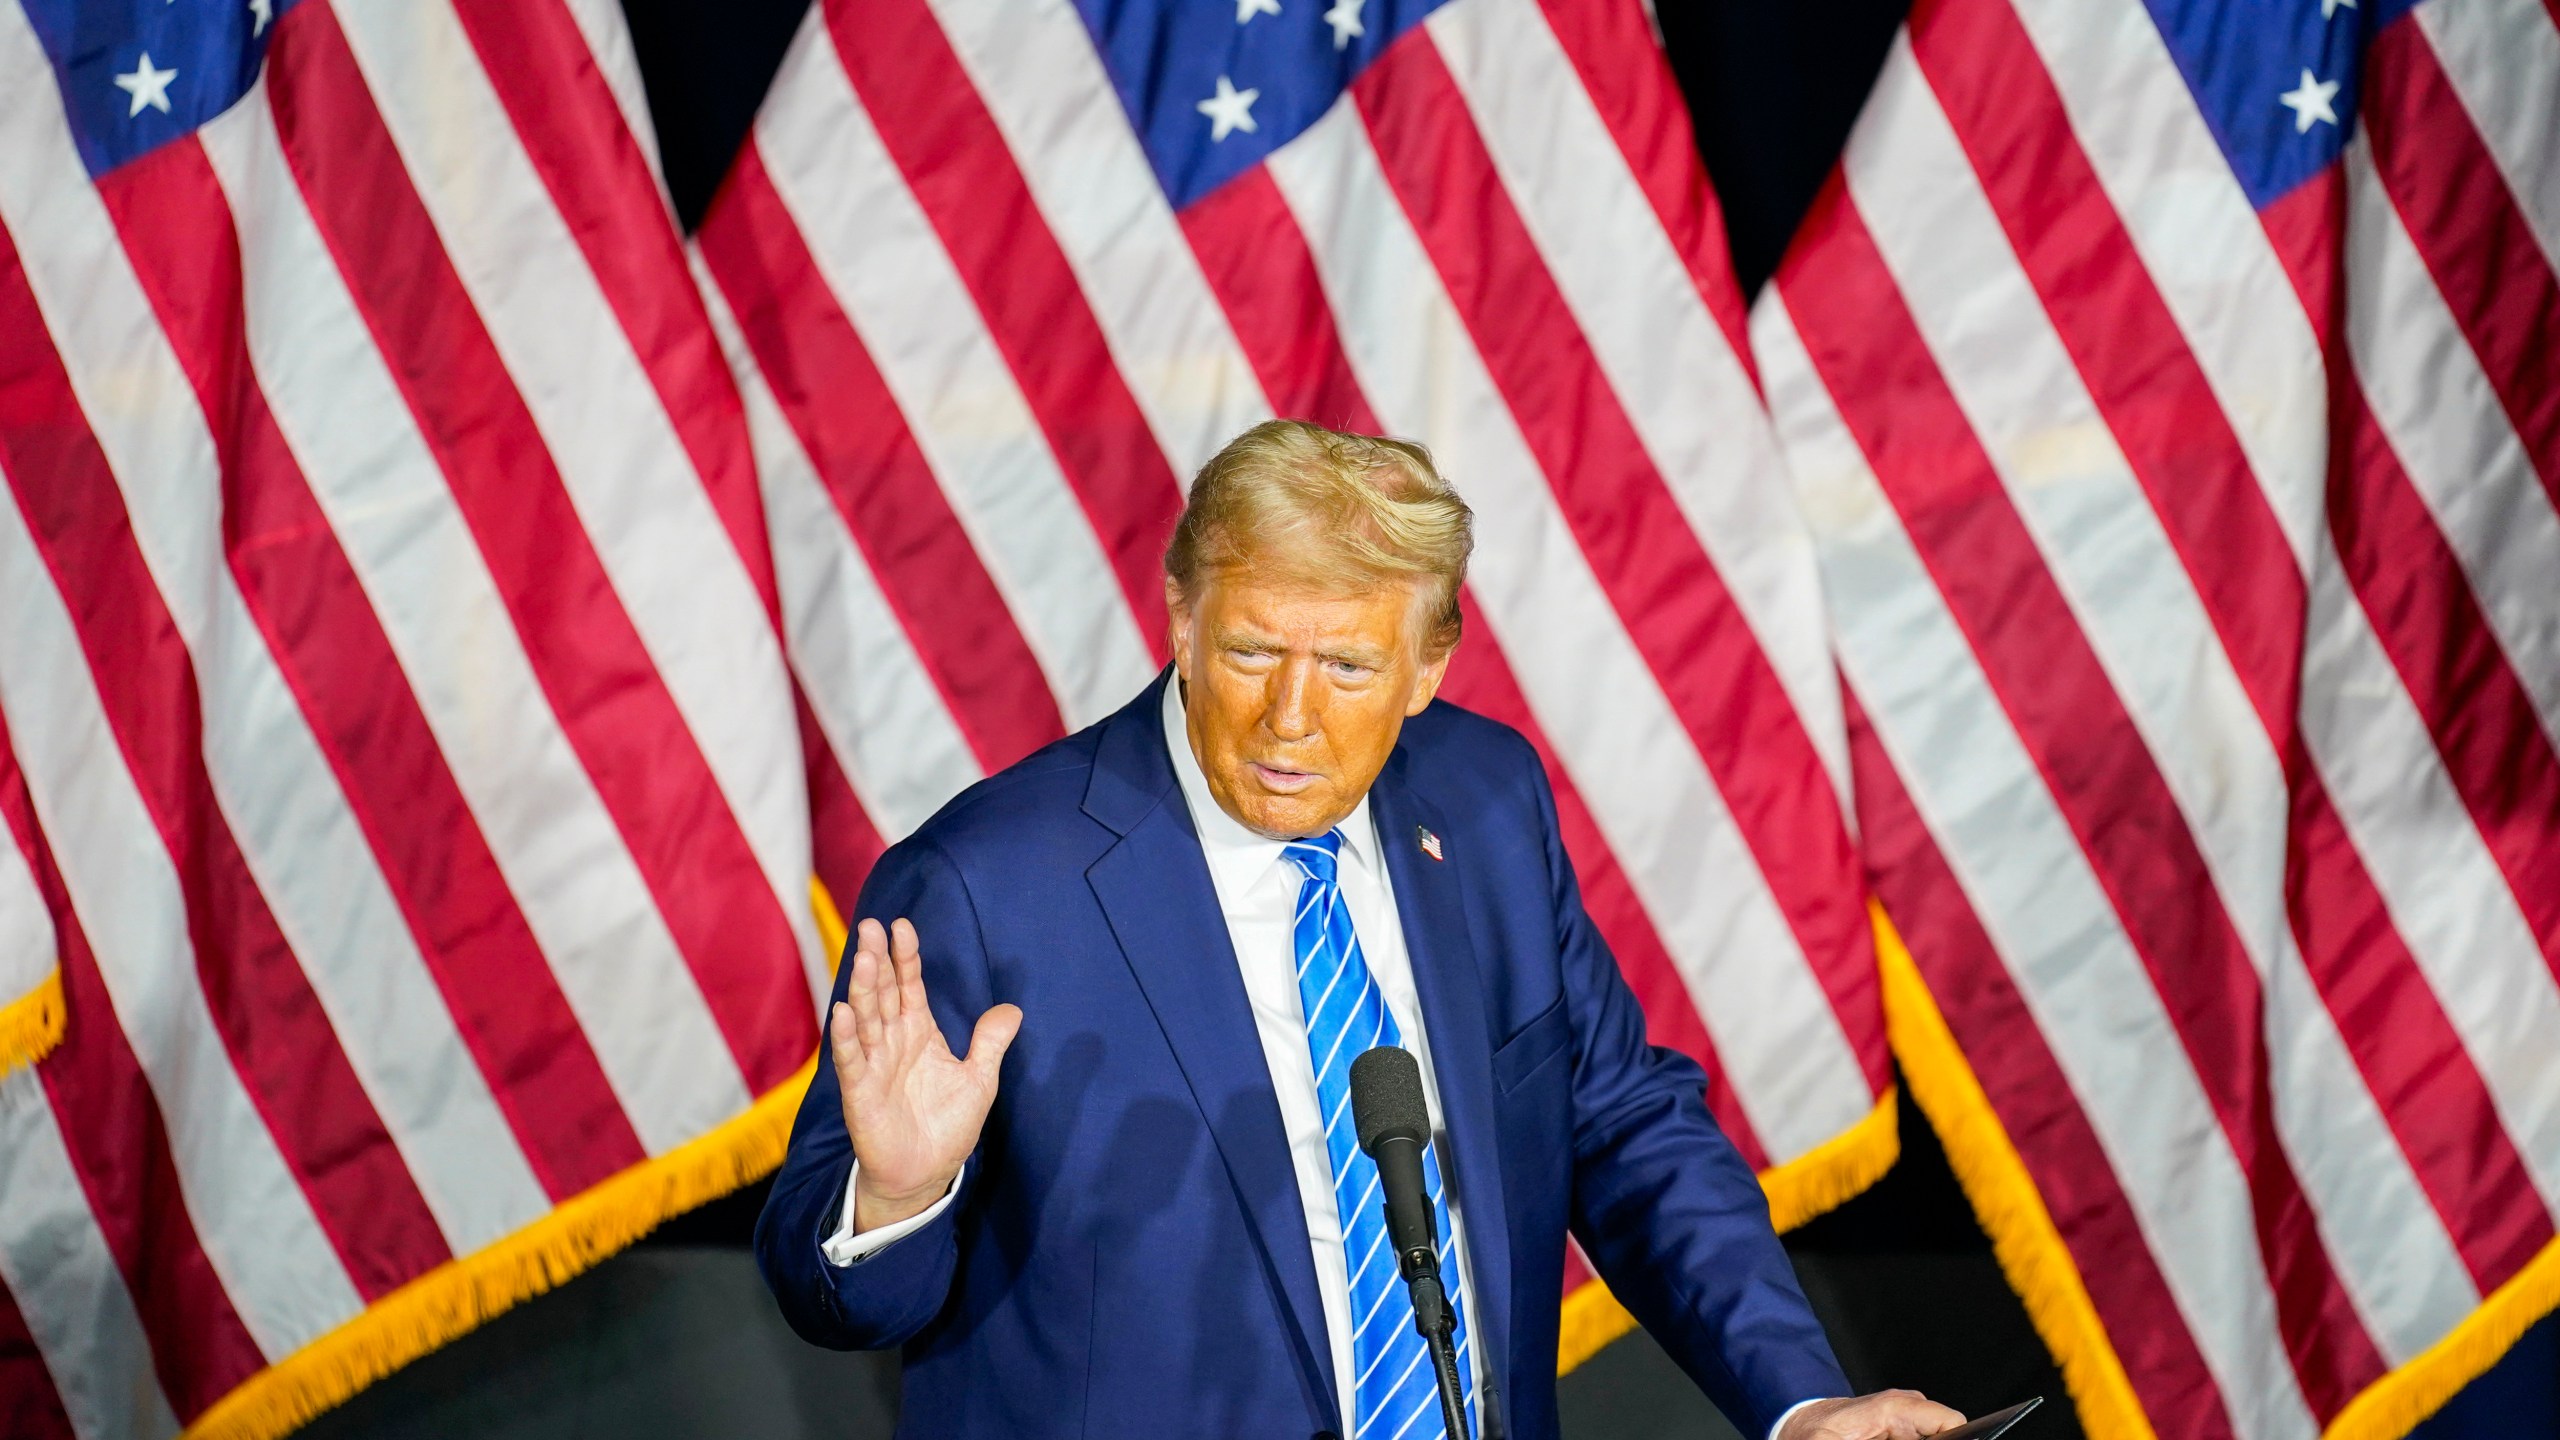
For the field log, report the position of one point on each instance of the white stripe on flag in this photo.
(900, 749)
(602, 25)
(258, 1229)
(2201, 244)
(2027, 879)
(27, 944)
(1043, 84)
(886, 267)
(2447, 900)
(1692, 403)
(2453, 436)
(1614, 732)
(2503, 59)
(66, 1283)
(2094, 528)
(624, 467)
(2129, 593)
(273, 786)
(2205, 249)
(373, 477)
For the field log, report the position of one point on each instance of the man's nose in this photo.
(1292, 712)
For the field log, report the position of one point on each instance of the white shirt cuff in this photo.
(845, 1247)
(1774, 1431)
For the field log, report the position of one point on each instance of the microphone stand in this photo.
(1437, 1319)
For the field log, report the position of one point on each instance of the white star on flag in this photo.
(2329, 8)
(1247, 9)
(264, 12)
(1229, 110)
(148, 87)
(1344, 17)
(2309, 102)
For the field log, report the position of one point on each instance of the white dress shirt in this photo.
(1258, 894)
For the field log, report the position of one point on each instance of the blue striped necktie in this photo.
(1394, 1393)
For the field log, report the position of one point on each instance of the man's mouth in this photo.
(1280, 780)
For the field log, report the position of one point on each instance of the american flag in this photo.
(397, 728)
(1000, 276)
(2174, 393)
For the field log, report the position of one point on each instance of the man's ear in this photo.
(1428, 687)
(1177, 628)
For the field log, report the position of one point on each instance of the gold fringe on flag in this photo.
(1821, 1179)
(31, 1025)
(2041, 1270)
(2005, 1200)
(2395, 1404)
(457, 1296)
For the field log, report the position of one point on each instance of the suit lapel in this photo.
(1432, 905)
(1155, 890)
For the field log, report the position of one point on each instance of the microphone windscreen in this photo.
(1386, 1098)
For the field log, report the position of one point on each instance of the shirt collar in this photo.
(1237, 856)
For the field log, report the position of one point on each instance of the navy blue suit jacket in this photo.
(1127, 1255)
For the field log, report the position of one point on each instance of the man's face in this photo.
(1296, 695)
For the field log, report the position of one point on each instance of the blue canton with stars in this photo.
(1213, 86)
(2277, 79)
(137, 74)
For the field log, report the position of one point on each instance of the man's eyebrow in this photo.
(1247, 640)
(1366, 657)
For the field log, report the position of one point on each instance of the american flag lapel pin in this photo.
(1430, 843)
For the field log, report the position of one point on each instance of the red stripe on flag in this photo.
(1577, 1266)
(612, 703)
(2412, 1060)
(329, 645)
(119, 1147)
(1660, 581)
(858, 442)
(2038, 1111)
(2442, 648)
(1864, 343)
(845, 839)
(30, 1408)
(2475, 241)
(555, 93)
(1480, 678)
(2146, 383)
(1614, 53)
(1258, 265)
(271, 1023)
(2126, 345)
(971, 189)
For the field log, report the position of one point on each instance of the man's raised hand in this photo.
(912, 1108)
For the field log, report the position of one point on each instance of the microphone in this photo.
(1394, 1126)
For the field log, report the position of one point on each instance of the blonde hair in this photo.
(1332, 508)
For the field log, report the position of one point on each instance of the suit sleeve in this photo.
(1664, 1205)
(889, 1295)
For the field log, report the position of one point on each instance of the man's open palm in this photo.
(912, 1108)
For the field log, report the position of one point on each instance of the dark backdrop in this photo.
(678, 1338)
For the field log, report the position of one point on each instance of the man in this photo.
(1148, 1216)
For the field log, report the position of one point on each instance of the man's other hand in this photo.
(912, 1108)
(1885, 1415)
